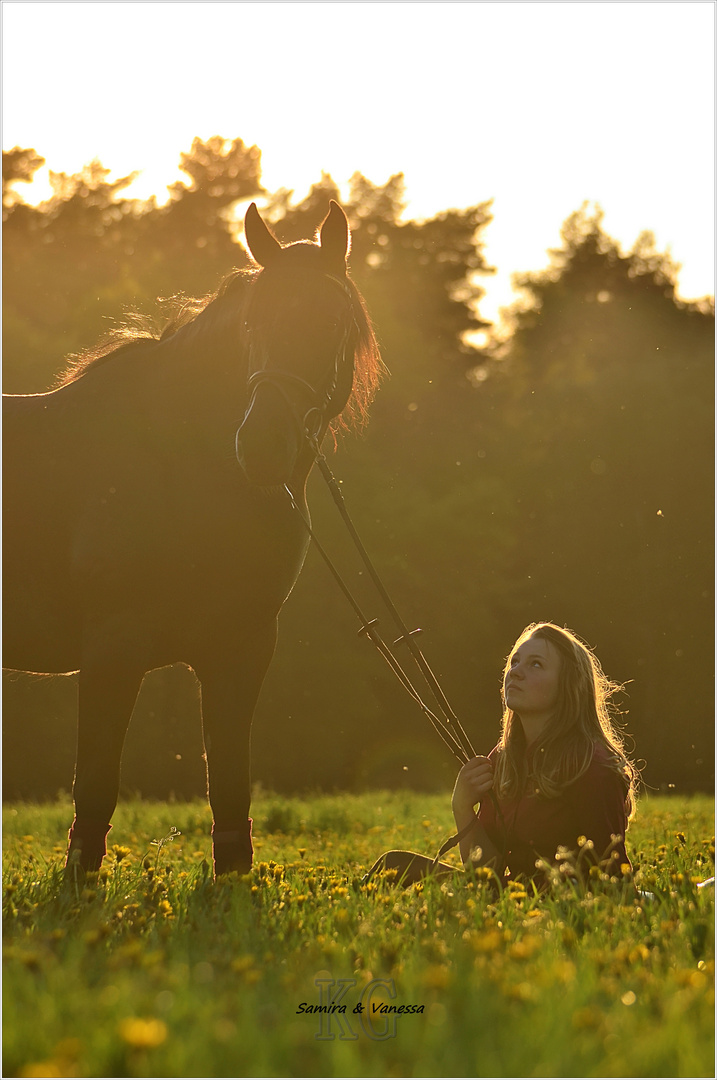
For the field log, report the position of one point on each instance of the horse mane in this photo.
(175, 313)
(182, 320)
(368, 367)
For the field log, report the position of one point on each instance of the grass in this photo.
(151, 969)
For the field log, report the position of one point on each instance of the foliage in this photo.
(149, 969)
(608, 383)
(564, 472)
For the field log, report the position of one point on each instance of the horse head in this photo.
(301, 328)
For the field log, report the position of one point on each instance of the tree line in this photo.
(562, 471)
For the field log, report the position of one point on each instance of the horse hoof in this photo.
(79, 864)
(224, 877)
(237, 868)
(75, 873)
(232, 851)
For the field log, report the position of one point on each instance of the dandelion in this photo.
(523, 992)
(436, 977)
(524, 949)
(47, 1068)
(488, 942)
(242, 963)
(143, 1034)
(587, 1018)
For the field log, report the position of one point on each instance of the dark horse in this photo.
(147, 521)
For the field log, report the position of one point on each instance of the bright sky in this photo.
(538, 106)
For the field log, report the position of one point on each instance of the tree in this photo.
(18, 166)
(89, 254)
(607, 384)
(189, 244)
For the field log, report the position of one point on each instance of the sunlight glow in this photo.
(537, 106)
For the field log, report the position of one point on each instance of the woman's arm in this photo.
(595, 808)
(473, 783)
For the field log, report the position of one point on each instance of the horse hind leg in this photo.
(108, 692)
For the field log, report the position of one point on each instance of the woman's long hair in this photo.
(583, 720)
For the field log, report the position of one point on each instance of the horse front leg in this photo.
(108, 691)
(230, 690)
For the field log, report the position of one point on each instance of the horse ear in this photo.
(336, 237)
(263, 245)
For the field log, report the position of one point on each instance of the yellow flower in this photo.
(48, 1068)
(524, 949)
(143, 1034)
(587, 1018)
(488, 942)
(242, 963)
(436, 977)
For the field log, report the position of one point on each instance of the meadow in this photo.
(151, 969)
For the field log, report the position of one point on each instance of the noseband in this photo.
(318, 413)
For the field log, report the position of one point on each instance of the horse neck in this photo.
(204, 379)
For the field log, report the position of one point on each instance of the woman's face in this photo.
(530, 684)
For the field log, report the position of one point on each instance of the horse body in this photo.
(133, 538)
(103, 522)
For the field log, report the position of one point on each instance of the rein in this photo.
(445, 721)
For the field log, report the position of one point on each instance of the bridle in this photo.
(322, 405)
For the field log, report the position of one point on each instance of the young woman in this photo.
(558, 782)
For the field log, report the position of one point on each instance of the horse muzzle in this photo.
(267, 454)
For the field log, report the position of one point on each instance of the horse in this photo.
(151, 510)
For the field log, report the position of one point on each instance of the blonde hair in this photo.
(582, 720)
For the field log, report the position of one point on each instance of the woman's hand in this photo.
(474, 781)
